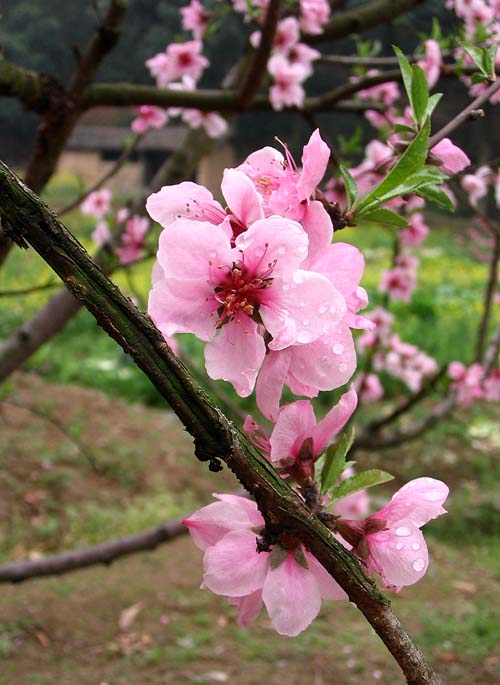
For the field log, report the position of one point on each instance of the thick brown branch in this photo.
(489, 294)
(30, 222)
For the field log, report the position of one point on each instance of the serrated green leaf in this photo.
(438, 196)
(335, 463)
(419, 94)
(360, 481)
(411, 162)
(433, 103)
(351, 187)
(386, 217)
(406, 71)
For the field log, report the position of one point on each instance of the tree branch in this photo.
(104, 553)
(256, 72)
(31, 223)
(489, 294)
(361, 18)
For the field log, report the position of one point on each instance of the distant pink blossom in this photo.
(132, 243)
(214, 124)
(313, 15)
(97, 204)
(286, 90)
(194, 18)
(467, 382)
(431, 62)
(476, 185)
(491, 386)
(149, 117)
(416, 232)
(290, 582)
(178, 60)
(399, 283)
(369, 388)
(101, 234)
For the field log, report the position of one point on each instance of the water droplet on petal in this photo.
(338, 348)
(432, 496)
(418, 565)
(333, 308)
(402, 531)
(301, 304)
(281, 249)
(342, 367)
(212, 255)
(415, 547)
(305, 322)
(399, 546)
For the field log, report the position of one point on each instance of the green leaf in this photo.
(438, 196)
(419, 94)
(432, 103)
(351, 186)
(403, 128)
(360, 481)
(335, 463)
(478, 57)
(406, 71)
(410, 162)
(386, 217)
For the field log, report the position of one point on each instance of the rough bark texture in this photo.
(31, 223)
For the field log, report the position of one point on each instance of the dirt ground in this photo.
(77, 467)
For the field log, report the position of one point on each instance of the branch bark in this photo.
(215, 439)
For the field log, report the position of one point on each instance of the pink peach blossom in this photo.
(452, 157)
(149, 117)
(101, 234)
(290, 583)
(313, 15)
(132, 243)
(97, 204)
(431, 62)
(194, 18)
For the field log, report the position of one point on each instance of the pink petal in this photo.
(399, 555)
(328, 587)
(270, 382)
(318, 227)
(211, 523)
(274, 242)
(295, 423)
(343, 265)
(236, 354)
(292, 597)
(183, 307)
(453, 158)
(193, 250)
(186, 200)
(335, 420)
(326, 363)
(241, 197)
(233, 566)
(315, 158)
(301, 309)
(249, 607)
(420, 500)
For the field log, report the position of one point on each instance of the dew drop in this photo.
(323, 309)
(301, 304)
(399, 546)
(403, 531)
(418, 565)
(305, 322)
(281, 249)
(432, 496)
(212, 255)
(338, 348)
(333, 308)
(415, 547)
(342, 367)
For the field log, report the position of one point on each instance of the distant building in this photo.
(98, 141)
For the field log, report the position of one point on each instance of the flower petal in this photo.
(420, 500)
(295, 423)
(315, 158)
(236, 354)
(328, 587)
(233, 567)
(270, 382)
(186, 200)
(241, 197)
(335, 420)
(291, 596)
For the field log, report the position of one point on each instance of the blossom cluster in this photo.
(134, 228)
(286, 578)
(472, 384)
(260, 280)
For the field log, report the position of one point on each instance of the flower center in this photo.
(240, 291)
